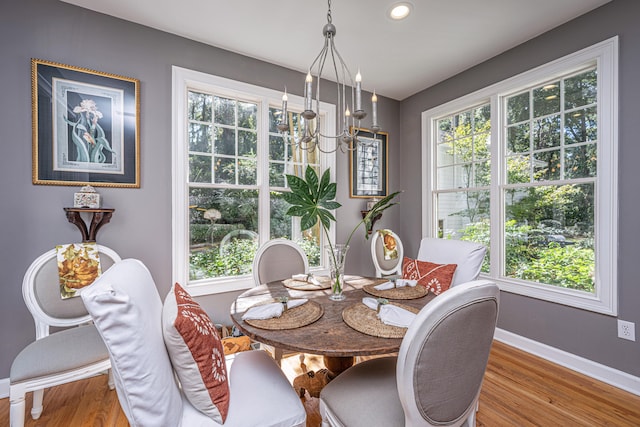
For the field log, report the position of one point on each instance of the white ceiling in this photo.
(397, 58)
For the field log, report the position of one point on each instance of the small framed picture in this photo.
(368, 165)
(86, 126)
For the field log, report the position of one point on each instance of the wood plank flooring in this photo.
(519, 390)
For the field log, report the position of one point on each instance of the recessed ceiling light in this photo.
(400, 11)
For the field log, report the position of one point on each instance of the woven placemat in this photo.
(292, 318)
(365, 320)
(301, 285)
(405, 292)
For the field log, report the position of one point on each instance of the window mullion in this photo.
(498, 165)
(264, 206)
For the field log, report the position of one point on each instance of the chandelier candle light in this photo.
(309, 140)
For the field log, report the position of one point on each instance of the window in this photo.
(229, 171)
(528, 168)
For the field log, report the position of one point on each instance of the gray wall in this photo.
(583, 333)
(32, 219)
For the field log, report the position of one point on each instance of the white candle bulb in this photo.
(374, 105)
(358, 91)
(308, 90)
(285, 98)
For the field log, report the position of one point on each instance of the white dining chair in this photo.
(128, 313)
(386, 267)
(436, 378)
(468, 256)
(279, 259)
(71, 354)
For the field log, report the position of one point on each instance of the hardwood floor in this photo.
(519, 390)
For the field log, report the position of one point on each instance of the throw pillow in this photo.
(196, 353)
(436, 278)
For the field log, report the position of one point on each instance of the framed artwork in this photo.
(86, 126)
(368, 165)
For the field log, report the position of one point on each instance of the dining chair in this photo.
(386, 267)
(279, 259)
(71, 354)
(467, 255)
(435, 379)
(132, 320)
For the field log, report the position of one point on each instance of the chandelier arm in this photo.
(346, 74)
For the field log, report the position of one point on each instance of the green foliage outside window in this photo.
(551, 137)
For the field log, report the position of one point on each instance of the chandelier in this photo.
(309, 137)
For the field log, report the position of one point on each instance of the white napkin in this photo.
(306, 278)
(390, 314)
(399, 284)
(268, 311)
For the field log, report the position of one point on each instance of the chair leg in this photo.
(277, 355)
(16, 411)
(36, 409)
(112, 384)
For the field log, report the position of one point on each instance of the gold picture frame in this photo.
(368, 165)
(86, 126)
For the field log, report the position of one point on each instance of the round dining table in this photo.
(329, 336)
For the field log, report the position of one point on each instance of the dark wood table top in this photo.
(328, 336)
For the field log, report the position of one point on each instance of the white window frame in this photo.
(605, 55)
(184, 80)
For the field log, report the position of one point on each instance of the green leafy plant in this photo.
(312, 199)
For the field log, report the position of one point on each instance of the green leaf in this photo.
(330, 205)
(299, 210)
(307, 221)
(312, 181)
(292, 198)
(328, 192)
(326, 217)
(324, 183)
(299, 187)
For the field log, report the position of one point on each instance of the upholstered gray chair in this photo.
(279, 259)
(467, 255)
(436, 378)
(74, 353)
(386, 267)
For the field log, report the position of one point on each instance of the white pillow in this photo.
(127, 311)
(196, 353)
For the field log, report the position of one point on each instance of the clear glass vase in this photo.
(337, 257)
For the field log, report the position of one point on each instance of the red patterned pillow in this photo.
(196, 353)
(435, 277)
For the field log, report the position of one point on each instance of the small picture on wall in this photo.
(368, 165)
(85, 126)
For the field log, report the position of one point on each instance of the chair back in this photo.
(444, 355)
(467, 255)
(386, 267)
(278, 259)
(127, 311)
(41, 293)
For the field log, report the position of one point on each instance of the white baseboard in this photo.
(579, 364)
(4, 388)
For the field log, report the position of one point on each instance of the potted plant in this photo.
(312, 200)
